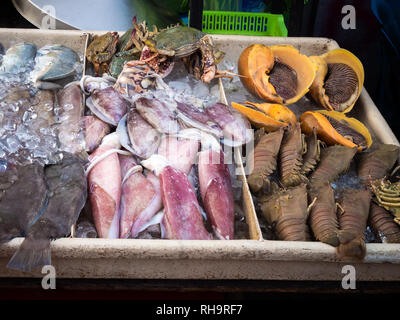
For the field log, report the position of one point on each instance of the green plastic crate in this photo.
(244, 23)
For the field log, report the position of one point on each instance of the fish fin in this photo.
(31, 253)
(355, 248)
(43, 85)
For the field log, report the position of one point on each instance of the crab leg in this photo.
(216, 192)
(140, 197)
(104, 182)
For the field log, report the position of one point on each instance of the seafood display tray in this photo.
(212, 259)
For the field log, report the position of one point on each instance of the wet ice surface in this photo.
(18, 139)
(349, 179)
(24, 135)
(189, 90)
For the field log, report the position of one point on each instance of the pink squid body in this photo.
(140, 198)
(216, 192)
(104, 183)
(182, 219)
(180, 153)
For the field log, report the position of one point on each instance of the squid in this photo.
(104, 180)
(216, 192)
(140, 197)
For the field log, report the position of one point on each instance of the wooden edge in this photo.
(248, 205)
(97, 248)
(375, 120)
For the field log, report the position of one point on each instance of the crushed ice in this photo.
(19, 141)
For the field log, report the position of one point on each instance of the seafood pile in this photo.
(32, 113)
(40, 149)
(140, 52)
(161, 147)
(320, 176)
(156, 161)
(303, 191)
(137, 149)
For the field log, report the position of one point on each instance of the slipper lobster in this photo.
(335, 160)
(286, 211)
(265, 156)
(353, 222)
(313, 154)
(378, 162)
(382, 224)
(323, 219)
(291, 154)
(373, 168)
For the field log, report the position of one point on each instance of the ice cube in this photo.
(9, 124)
(40, 152)
(214, 91)
(22, 134)
(180, 86)
(201, 90)
(13, 144)
(31, 144)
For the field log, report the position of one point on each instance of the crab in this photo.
(101, 50)
(194, 47)
(387, 195)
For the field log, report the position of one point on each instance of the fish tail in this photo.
(32, 253)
